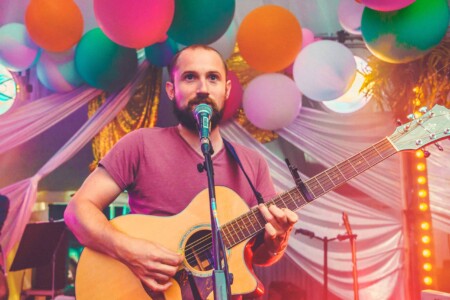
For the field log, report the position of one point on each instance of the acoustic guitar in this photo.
(102, 277)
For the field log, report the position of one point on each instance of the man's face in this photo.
(198, 77)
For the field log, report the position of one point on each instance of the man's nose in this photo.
(202, 86)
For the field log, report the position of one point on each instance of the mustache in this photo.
(205, 100)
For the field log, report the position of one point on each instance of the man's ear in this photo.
(227, 89)
(170, 90)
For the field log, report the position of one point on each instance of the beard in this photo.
(186, 117)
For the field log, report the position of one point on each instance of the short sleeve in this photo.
(122, 161)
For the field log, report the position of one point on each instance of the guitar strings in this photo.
(383, 147)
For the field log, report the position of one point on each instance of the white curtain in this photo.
(22, 194)
(375, 217)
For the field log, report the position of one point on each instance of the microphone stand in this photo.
(221, 276)
(325, 240)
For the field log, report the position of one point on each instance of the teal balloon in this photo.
(200, 21)
(160, 54)
(407, 34)
(104, 64)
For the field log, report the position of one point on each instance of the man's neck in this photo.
(193, 140)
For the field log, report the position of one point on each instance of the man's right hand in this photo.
(152, 263)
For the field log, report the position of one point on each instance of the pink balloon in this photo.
(350, 15)
(134, 23)
(272, 101)
(234, 101)
(307, 37)
(387, 5)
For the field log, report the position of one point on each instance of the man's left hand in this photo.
(280, 222)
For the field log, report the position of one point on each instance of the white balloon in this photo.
(324, 70)
(271, 101)
(17, 51)
(57, 72)
(350, 14)
(225, 44)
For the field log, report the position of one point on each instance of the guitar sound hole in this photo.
(198, 251)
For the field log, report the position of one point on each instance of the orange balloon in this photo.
(55, 26)
(269, 38)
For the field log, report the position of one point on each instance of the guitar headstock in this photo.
(427, 129)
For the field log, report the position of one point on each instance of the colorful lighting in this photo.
(423, 206)
(428, 280)
(425, 225)
(426, 253)
(427, 266)
(421, 180)
(419, 154)
(422, 193)
(426, 239)
(420, 167)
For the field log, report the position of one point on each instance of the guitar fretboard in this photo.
(251, 223)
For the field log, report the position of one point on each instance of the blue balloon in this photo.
(160, 54)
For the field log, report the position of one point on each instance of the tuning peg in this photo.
(447, 130)
(439, 146)
(426, 153)
(399, 122)
(411, 117)
(423, 109)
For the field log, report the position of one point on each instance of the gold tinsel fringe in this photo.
(141, 111)
(403, 88)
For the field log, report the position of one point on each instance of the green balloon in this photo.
(200, 21)
(407, 34)
(104, 64)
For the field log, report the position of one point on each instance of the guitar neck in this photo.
(251, 223)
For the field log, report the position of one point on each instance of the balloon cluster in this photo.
(396, 31)
(68, 49)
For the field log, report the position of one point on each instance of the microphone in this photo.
(202, 114)
(305, 232)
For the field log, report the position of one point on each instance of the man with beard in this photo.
(158, 168)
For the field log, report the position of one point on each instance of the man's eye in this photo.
(213, 77)
(189, 76)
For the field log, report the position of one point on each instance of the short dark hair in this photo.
(174, 61)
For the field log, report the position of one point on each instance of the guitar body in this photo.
(102, 277)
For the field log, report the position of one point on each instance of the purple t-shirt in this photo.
(158, 168)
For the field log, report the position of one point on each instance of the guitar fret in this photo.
(324, 181)
(231, 233)
(335, 176)
(282, 201)
(293, 201)
(315, 187)
(237, 232)
(343, 175)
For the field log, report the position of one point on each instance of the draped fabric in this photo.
(438, 179)
(23, 194)
(35, 117)
(375, 215)
(140, 112)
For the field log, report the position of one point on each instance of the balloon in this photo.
(17, 51)
(354, 99)
(407, 34)
(134, 23)
(350, 14)
(225, 44)
(387, 5)
(324, 70)
(57, 72)
(200, 21)
(102, 63)
(234, 101)
(54, 25)
(307, 37)
(160, 54)
(269, 38)
(271, 101)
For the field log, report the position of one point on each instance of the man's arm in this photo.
(152, 263)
